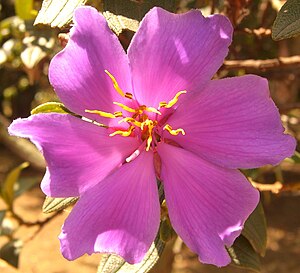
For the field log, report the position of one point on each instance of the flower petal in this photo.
(179, 52)
(77, 73)
(120, 215)
(207, 204)
(234, 123)
(79, 154)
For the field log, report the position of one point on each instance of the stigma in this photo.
(143, 120)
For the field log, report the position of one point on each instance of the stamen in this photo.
(126, 108)
(123, 133)
(173, 101)
(118, 114)
(153, 110)
(149, 109)
(148, 122)
(104, 114)
(115, 83)
(128, 95)
(132, 120)
(173, 132)
(149, 140)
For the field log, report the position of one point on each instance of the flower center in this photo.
(140, 124)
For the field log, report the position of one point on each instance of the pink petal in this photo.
(120, 215)
(77, 73)
(233, 123)
(207, 204)
(79, 154)
(175, 52)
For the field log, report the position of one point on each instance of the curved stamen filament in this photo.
(149, 109)
(132, 120)
(125, 107)
(115, 83)
(123, 133)
(117, 87)
(172, 101)
(105, 114)
(173, 132)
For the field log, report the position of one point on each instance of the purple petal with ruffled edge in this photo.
(207, 204)
(79, 154)
(179, 52)
(234, 123)
(119, 215)
(77, 73)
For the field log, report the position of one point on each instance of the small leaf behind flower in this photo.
(50, 107)
(243, 255)
(287, 23)
(57, 13)
(54, 204)
(111, 263)
(255, 230)
(119, 23)
(7, 190)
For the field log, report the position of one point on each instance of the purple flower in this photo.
(162, 116)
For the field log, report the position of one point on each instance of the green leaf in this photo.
(255, 230)
(287, 22)
(111, 263)
(243, 255)
(137, 9)
(54, 204)
(10, 252)
(50, 107)
(57, 13)
(7, 189)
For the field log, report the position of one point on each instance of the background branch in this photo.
(21, 147)
(292, 62)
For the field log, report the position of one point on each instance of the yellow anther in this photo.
(172, 101)
(118, 114)
(174, 132)
(128, 95)
(126, 108)
(115, 83)
(132, 120)
(123, 133)
(101, 113)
